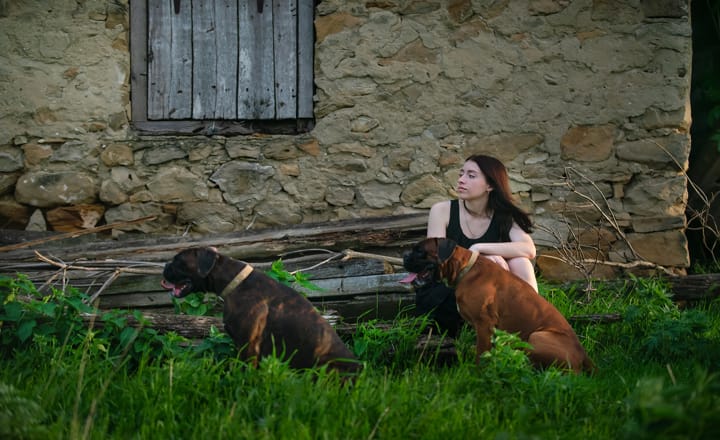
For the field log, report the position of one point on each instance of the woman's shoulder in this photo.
(441, 208)
(442, 205)
(439, 219)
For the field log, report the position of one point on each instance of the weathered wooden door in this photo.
(224, 60)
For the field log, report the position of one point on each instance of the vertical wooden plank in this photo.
(256, 89)
(138, 61)
(181, 75)
(285, 43)
(226, 18)
(306, 56)
(159, 57)
(204, 57)
(169, 60)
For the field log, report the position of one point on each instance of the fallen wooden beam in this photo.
(199, 327)
(393, 232)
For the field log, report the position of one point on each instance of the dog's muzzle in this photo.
(421, 271)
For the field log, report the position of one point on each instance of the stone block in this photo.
(380, 195)
(672, 151)
(117, 154)
(7, 182)
(666, 248)
(340, 196)
(423, 192)
(177, 184)
(13, 215)
(656, 196)
(559, 267)
(10, 159)
(110, 192)
(74, 218)
(242, 182)
(163, 154)
(44, 189)
(665, 8)
(656, 224)
(36, 153)
(209, 218)
(133, 211)
(506, 147)
(334, 23)
(588, 143)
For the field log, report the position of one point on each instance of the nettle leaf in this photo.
(48, 309)
(25, 329)
(137, 314)
(12, 312)
(127, 336)
(304, 281)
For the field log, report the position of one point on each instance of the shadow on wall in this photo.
(703, 212)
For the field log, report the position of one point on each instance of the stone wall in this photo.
(586, 101)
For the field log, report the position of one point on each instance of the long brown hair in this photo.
(500, 200)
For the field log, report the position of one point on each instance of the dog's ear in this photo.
(206, 258)
(446, 247)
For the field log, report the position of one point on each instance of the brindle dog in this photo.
(490, 297)
(262, 316)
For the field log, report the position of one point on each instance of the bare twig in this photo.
(709, 228)
(609, 216)
(350, 254)
(628, 265)
(114, 274)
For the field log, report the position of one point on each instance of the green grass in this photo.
(658, 378)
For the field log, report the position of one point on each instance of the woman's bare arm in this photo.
(438, 219)
(521, 245)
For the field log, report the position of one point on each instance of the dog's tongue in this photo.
(408, 279)
(174, 289)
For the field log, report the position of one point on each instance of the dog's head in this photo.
(425, 258)
(188, 271)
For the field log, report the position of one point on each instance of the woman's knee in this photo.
(520, 264)
(523, 268)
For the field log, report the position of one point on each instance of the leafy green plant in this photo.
(32, 314)
(508, 355)
(198, 304)
(219, 344)
(209, 304)
(277, 271)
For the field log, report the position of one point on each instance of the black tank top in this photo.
(454, 231)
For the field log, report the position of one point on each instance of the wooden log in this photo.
(132, 284)
(352, 286)
(393, 233)
(695, 287)
(155, 296)
(198, 327)
(191, 327)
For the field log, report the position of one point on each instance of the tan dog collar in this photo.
(470, 263)
(239, 278)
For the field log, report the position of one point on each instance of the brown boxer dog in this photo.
(262, 316)
(490, 297)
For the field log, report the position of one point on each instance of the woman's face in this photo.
(471, 182)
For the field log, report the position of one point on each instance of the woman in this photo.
(483, 219)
